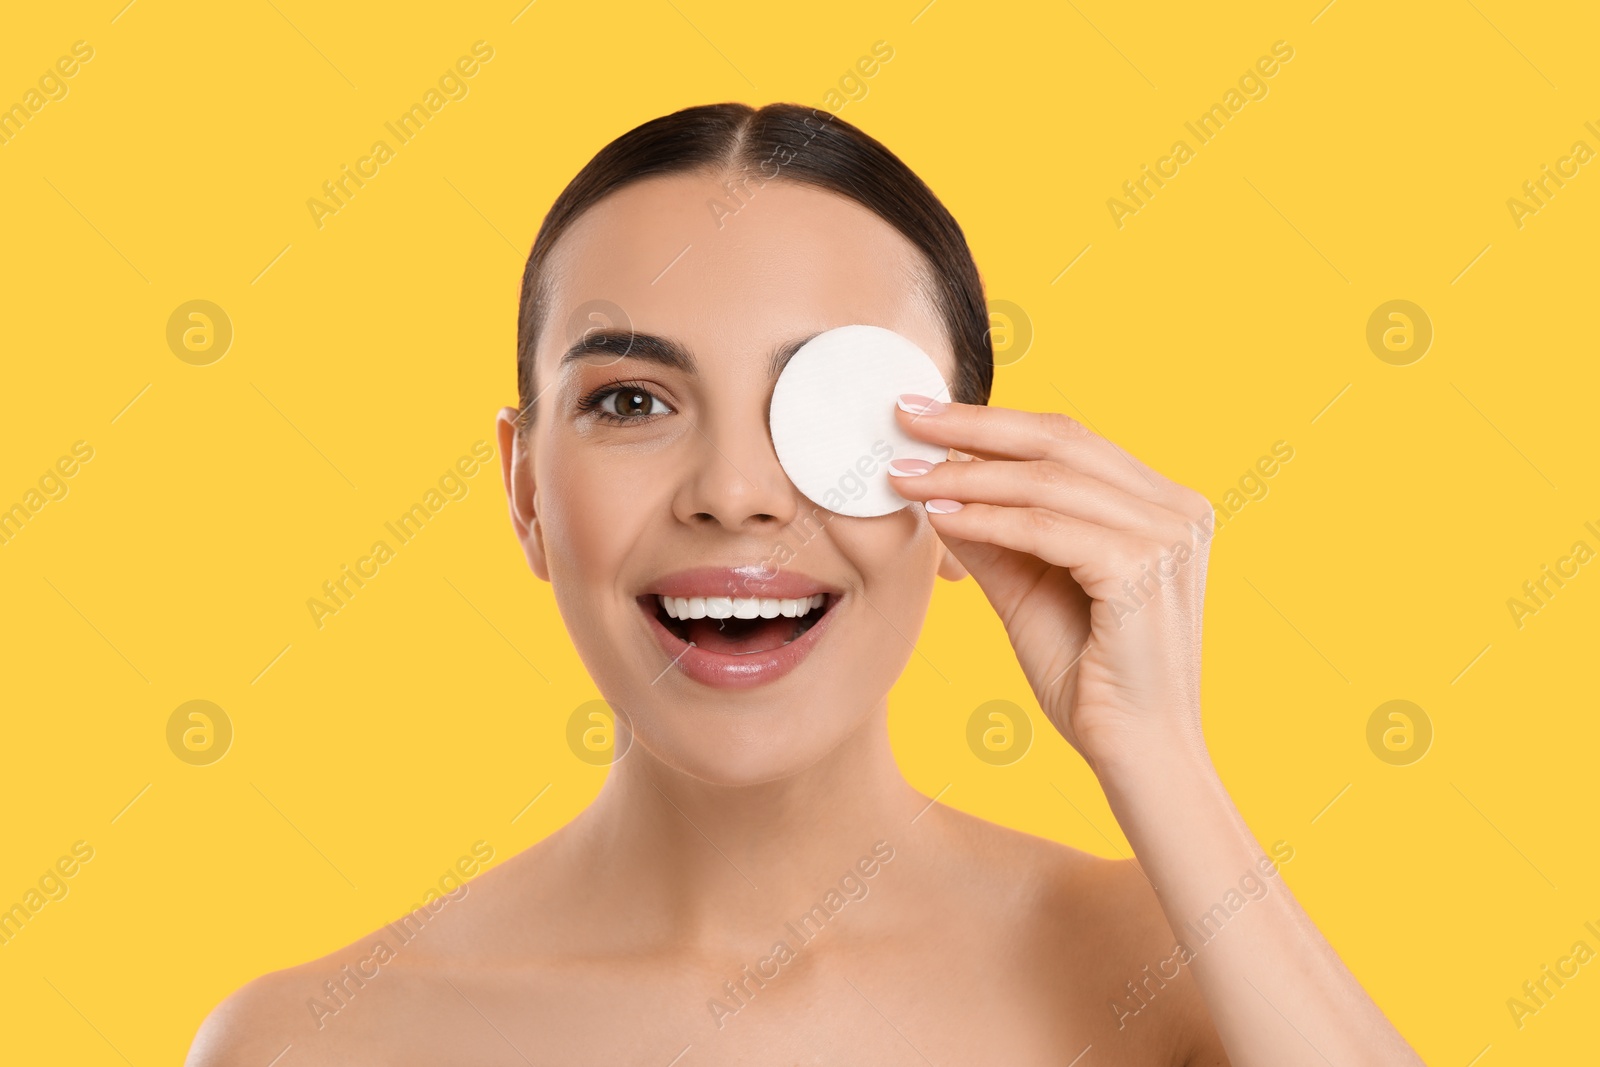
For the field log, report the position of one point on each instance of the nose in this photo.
(734, 479)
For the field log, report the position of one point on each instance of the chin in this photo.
(744, 746)
(739, 674)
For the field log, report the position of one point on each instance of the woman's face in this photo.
(648, 471)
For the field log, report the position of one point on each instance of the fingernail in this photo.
(909, 467)
(941, 506)
(920, 405)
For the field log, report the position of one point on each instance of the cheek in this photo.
(883, 540)
(895, 555)
(594, 509)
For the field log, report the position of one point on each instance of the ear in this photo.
(950, 568)
(516, 472)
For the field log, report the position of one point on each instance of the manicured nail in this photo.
(940, 506)
(920, 405)
(909, 467)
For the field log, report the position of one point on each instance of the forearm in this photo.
(1277, 992)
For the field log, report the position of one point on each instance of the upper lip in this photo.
(753, 580)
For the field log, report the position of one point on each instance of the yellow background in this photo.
(371, 353)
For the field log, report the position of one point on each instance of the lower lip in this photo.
(725, 671)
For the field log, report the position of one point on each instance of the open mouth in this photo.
(738, 626)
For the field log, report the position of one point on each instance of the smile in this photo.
(725, 640)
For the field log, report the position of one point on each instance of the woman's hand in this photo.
(1095, 563)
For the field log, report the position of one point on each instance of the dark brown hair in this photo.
(792, 143)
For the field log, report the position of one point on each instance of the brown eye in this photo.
(632, 403)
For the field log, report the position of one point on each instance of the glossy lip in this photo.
(724, 670)
(751, 580)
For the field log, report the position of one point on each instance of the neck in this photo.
(721, 863)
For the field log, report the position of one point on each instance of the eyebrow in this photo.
(661, 350)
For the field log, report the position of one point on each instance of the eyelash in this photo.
(590, 404)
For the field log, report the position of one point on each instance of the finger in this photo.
(1100, 559)
(1005, 433)
(1036, 483)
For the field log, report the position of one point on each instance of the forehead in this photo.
(732, 271)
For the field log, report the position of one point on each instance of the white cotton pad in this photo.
(833, 417)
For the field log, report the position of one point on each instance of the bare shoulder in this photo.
(1055, 884)
(383, 998)
(1091, 930)
(258, 1022)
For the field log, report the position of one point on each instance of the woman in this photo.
(756, 882)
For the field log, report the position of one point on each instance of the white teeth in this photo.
(740, 607)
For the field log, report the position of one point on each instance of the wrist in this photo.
(1143, 765)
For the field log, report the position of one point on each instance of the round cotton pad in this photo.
(833, 417)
